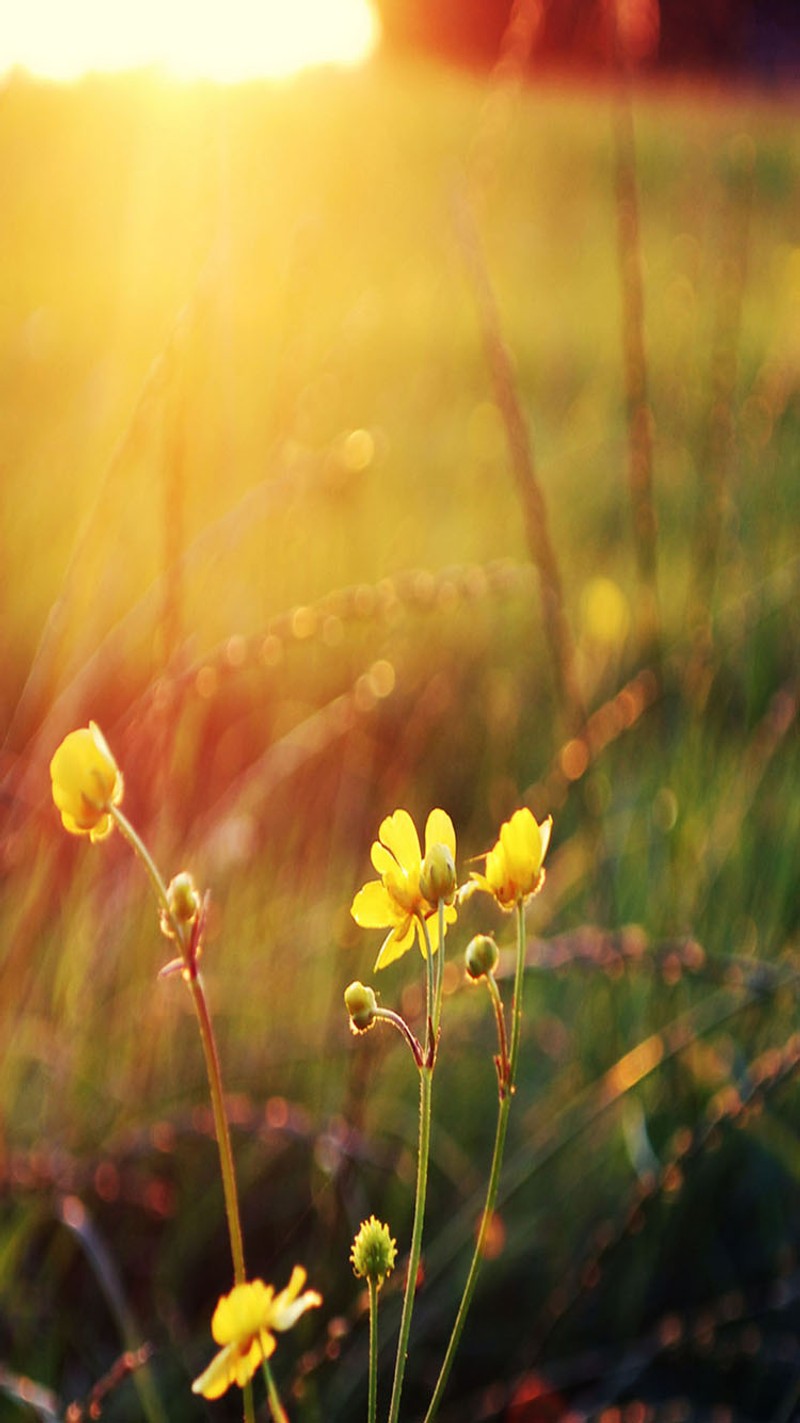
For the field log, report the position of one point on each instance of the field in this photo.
(343, 471)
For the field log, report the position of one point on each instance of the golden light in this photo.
(223, 40)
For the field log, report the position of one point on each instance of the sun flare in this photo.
(227, 42)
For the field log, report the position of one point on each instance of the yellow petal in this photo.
(382, 859)
(373, 906)
(439, 830)
(399, 835)
(240, 1314)
(218, 1377)
(450, 916)
(290, 1304)
(396, 943)
(522, 844)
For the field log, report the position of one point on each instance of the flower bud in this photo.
(361, 1004)
(87, 783)
(184, 904)
(374, 1252)
(481, 956)
(437, 876)
(184, 898)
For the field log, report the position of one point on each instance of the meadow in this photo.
(319, 408)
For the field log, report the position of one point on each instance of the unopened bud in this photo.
(374, 1252)
(361, 1004)
(437, 877)
(481, 956)
(184, 903)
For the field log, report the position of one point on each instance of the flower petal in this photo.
(450, 916)
(373, 907)
(439, 830)
(218, 1377)
(290, 1304)
(396, 943)
(382, 859)
(240, 1314)
(399, 834)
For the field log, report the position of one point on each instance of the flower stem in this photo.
(503, 1111)
(429, 973)
(276, 1406)
(503, 1067)
(387, 1015)
(192, 976)
(372, 1407)
(437, 1006)
(425, 1085)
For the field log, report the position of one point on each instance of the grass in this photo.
(286, 630)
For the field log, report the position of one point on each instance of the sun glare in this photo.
(224, 40)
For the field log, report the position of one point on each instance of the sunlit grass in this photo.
(290, 260)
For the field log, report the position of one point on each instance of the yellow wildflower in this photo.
(396, 901)
(86, 782)
(514, 865)
(244, 1322)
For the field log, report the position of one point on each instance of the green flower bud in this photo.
(361, 1004)
(374, 1252)
(481, 956)
(437, 876)
(184, 898)
(185, 903)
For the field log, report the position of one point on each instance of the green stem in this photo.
(425, 1085)
(387, 1015)
(516, 1005)
(503, 1112)
(276, 1406)
(192, 976)
(372, 1407)
(503, 1068)
(429, 973)
(437, 1006)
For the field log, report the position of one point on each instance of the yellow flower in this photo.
(86, 782)
(243, 1323)
(514, 866)
(396, 901)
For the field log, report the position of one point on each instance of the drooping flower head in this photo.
(514, 865)
(86, 782)
(396, 900)
(244, 1322)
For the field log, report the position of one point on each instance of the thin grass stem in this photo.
(372, 1405)
(425, 1085)
(277, 1409)
(194, 981)
(504, 1108)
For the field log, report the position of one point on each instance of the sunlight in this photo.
(230, 41)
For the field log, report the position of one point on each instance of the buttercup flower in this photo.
(396, 901)
(514, 866)
(86, 782)
(244, 1322)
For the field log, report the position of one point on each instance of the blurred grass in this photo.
(258, 520)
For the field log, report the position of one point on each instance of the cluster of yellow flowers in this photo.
(406, 900)
(398, 900)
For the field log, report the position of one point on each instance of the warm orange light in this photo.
(223, 40)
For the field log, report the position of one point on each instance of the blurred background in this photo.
(414, 421)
